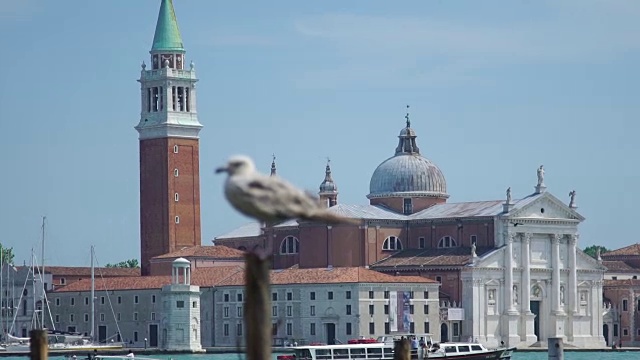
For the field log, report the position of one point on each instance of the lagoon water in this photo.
(568, 355)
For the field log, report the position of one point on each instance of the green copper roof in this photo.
(167, 36)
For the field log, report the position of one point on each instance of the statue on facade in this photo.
(561, 295)
(572, 198)
(473, 250)
(598, 254)
(509, 195)
(515, 294)
(537, 291)
(541, 175)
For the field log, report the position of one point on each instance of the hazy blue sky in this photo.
(496, 88)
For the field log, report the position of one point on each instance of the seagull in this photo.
(270, 198)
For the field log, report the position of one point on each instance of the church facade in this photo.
(510, 270)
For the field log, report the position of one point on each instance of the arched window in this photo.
(447, 242)
(392, 243)
(290, 245)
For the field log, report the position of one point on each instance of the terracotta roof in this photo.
(633, 249)
(622, 283)
(455, 256)
(619, 266)
(204, 277)
(86, 271)
(217, 251)
(336, 275)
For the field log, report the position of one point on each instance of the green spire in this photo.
(167, 36)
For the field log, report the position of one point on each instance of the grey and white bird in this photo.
(270, 198)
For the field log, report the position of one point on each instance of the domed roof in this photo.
(407, 173)
(328, 185)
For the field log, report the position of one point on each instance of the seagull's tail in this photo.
(331, 218)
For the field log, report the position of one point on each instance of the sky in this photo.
(496, 88)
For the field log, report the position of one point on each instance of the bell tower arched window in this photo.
(447, 242)
(392, 243)
(290, 245)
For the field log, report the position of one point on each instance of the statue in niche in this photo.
(492, 294)
(561, 295)
(515, 294)
(541, 175)
(582, 297)
(537, 291)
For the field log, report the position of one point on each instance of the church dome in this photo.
(407, 173)
(328, 185)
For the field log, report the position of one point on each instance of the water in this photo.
(542, 355)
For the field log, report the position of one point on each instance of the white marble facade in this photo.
(536, 284)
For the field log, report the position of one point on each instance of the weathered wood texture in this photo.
(257, 304)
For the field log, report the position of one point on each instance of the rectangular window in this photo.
(312, 295)
(330, 295)
(86, 300)
(289, 296)
(439, 279)
(86, 317)
(274, 311)
(73, 301)
(102, 300)
(411, 295)
(312, 310)
(176, 197)
(474, 239)
(57, 318)
(135, 299)
(625, 305)
(426, 295)
(239, 297)
(102, 317)
(180, 304)
(226, 297)
(153, 299)
(289, 329)
(312, 329)
(426, 309)
(239, 329)
(118, 316)
(412, 327)
(274, 297)
(57, 302)
(239, 311)
(408, 206)
(387, 328)
(274, 329)
(348, 309)
(370, 294)
(225, 329)
(426, 327)
(372, 328)
(153, 316)
(135, 316)
(386, 294)
(422, 242)
(135, 336)
(348, 328)
(119, 299)
(456, 329)
(225, 311)
(348, 295)
(177, 220)
(386, 309)
(371, 309)
(194, 304)
(289, 310)
(411, 308)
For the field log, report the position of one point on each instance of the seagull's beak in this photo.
(222, 169)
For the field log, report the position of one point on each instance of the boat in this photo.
(383, 348)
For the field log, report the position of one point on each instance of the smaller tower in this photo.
(181, 302)
(328, 189)
(273, 165)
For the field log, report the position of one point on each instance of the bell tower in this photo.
(169, 146)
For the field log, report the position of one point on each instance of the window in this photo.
(153, 316)
(412, 327)
(58, 319)
(225, 311)
(370, 294)
(289, 310)
(86, 300)
(330, 295)
(422, 243)
(312, 310)
(135, 299)
(62, 281)
(176, 173)
(348, 295)
(289, 329)
(226, 297)
(411, 310)
(239, 311)
(312, 295)
(153, 299)
(411, 295)
(456, 329)
(194, 304)
(176, 197)
(348, 328)
(289, 296)
(387, 328)
(102, 317)
(439, 279)
(372, 328)
(102, 300)
(392, 243)
(474, 239)
(426, 295)
(426, 309)
(289, 245)
(274, 311)
(371, 307)
(58, 302)
(274, 296)
(86, 317)
(175, 149)
(386, 294)
(225, 329)
(407, 206)
(119, 299)
(625, 305)
(180, 304)
(239, 297)
(118, 317)
(135, 336)
(386, 309)
(274, 329)
(73, 301)
(447, 242)
(135, 316)
(312, 329)
(625, 332)
(239, 329)
(177, 220)
(348, 309)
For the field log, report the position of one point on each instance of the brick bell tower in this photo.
(169, 150)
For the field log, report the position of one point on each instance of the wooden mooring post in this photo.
(257, 315)
(38, 344)
(555, 347)
(402, 349)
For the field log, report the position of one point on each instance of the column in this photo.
(508, 274)
(526, 274)
(555, 279)
(574, 307)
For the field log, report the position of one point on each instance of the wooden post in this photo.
(39, 347)
(402, 350)
(257, 316)
(555, 347)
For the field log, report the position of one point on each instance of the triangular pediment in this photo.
(493, 282)
(545, 207)
(492, 259)
(586, 262)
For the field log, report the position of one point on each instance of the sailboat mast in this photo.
(93, 289)
(42, 275)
